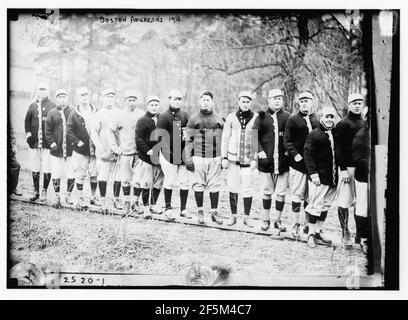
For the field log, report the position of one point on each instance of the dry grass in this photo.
(87, 242)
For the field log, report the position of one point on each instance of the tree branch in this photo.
(242, 69)
(213, 68)
(266, 81)
(261, 46)
(345, 32)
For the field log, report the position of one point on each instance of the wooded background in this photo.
(224, 53)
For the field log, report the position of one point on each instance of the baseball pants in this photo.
(61, 166)
(320, 198)
(274, 183)
(174, 175)
(297, 185)
(40, 160)
(361, 199)
(347, 191)
(146, 175)
(125, 169)
(106, 169)
(240, 180)
(207, 174)
(84, 166)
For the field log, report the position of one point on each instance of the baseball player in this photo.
(13, 166)
(344, 133)
(60, 146)
(297, 128)
(148, 175)
(319, 155)
(121, 137)
(106, 160)
(170, 127)
(237, 150)
(83, 155)
(204, 131)
(35, 133)
(360, 157)
(272, 162)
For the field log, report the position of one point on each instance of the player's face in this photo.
(84, 98)
(62, 100)
(109, 100)
(305, 105)
(244, 103)
(276, 102)
(42, 94)
(175, 102)
(206, 103)
(131, 103)
(153, 107)
(356, 106)
(328, 120)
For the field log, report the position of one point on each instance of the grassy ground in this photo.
(88, 242)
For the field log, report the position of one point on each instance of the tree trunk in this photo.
(290, 87)
(291, 83)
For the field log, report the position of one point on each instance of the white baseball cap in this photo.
(61, 91)
(275, 93)
(82, 90)
(108, 91)
(152, 98)
(42, 85)
(306, 95)
(175, 93)
(353, 97)
(131, 93)
(246, 94)
(329, 110)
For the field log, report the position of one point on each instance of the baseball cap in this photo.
(108, 91)
(175, 93)
(246, 94)
(329, 110)
(131, 93)
(42, 85)
(61, 91)
(152, 98)
(306, 95)
(275, 93)
(354, 97)
(207, 93)
(82, 90)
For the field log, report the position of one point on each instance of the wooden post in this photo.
(380, 98)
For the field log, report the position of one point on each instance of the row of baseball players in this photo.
(298, 154)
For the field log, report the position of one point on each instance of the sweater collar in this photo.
(45, 100)
(322, 127)
(174, 110)
(151, 115)
(245, 114)
(271, 111)
(206, 112)
(78, 109)
(59, 108)
(356, 116)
